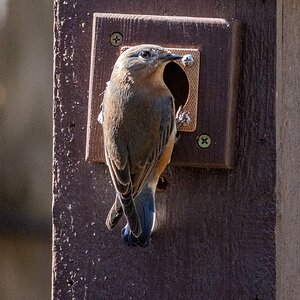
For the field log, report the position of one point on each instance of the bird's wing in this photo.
(123, 185)
(131, 176)
(165, 106)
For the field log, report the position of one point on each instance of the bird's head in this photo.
(142, 60)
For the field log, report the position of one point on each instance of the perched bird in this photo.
(139, 129)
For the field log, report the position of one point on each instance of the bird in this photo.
(139, 129)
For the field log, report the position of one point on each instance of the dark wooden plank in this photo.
(215, 235)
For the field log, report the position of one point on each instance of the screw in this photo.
(116, 39)
(204, 141)
(187, 60)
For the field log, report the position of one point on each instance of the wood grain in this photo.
(288, 153)
(215, 233)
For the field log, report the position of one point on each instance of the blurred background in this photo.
(25, 148)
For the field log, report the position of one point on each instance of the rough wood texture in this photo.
(215, 235)
(288, 150)
(219, 43)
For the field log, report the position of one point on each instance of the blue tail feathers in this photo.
(145, 209)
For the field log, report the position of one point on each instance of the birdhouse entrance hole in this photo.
(178, 83)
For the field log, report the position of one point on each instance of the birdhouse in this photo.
(206, 86)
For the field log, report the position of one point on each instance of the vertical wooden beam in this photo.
(288, 150)
(215, 234)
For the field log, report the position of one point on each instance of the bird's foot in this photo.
(182, 118)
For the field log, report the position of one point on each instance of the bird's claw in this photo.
(100, 118)
(182, 118)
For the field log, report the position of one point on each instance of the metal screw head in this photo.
(204, 141)
(116, 39)
(187, 60)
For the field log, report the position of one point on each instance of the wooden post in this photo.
(288, 150)
(215, 237)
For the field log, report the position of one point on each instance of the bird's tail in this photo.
(145, 210)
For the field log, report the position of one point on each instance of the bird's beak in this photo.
(171, 56)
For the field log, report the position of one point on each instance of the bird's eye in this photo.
(144, 54)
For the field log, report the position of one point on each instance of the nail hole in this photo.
(70, 282)
(162, 184)
(177, 81)
(263, 139)
(72, 124)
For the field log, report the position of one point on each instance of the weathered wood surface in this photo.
(215, 236)
(288, 150)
